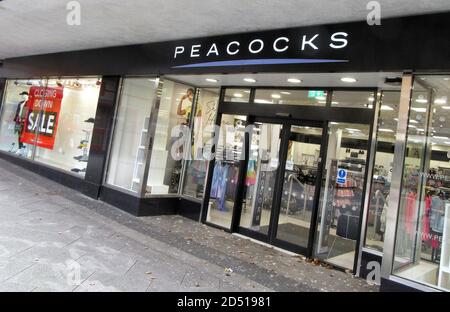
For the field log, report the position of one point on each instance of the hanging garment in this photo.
(410, 212)
(437, 214)
(233, 176)
(217, 176)
(250, 178)
(426, 220)
(221, 192)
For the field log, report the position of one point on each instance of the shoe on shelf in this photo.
(81, 158)
(90, 120)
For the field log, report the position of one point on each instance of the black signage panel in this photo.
(420, 43)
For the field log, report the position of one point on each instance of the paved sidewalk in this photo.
(55, 239)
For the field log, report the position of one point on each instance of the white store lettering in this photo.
(337, 40)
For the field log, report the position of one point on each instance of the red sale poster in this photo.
(43, 108)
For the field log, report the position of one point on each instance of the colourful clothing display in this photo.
(410, 212)
(426, 220)
(250, 178)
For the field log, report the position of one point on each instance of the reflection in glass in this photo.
(127, 156)
(341, 196)
(291, 97)
(422, 252)
(204, 121)
(297, 202)
(354, 99)
(237, 95)
(226, 170)
(382, 171)
(174, 111)
(260, 177)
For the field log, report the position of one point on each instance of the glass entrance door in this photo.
(260, 179)
(342, 194)
(300, 181)
(279, 197)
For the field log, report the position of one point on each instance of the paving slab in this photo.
(61, 240)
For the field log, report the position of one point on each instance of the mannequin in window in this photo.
(19, 119)
(185, 106)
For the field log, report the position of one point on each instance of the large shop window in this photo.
(131, 133)
(202, 136)
(422, 247)
(382, 172)
(51, 121)
(291, 97)
(353, 99)
(168, 148)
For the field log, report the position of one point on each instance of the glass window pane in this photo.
(203, 127)
(423, 229)
(354, 99)
(174, 110)
(237, 95)
(341, 194)
(128, 150)
(226, 170)
(291, 97)
(382, 171)
(14, 114)
(70, 147)
(300, 177)
(257, 201)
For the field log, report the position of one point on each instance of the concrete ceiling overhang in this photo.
(39, 27)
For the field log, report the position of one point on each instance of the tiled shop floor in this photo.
(55, 239)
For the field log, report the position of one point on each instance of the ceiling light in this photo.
(321, 98)
(334, 123)
(441, 101)
(446, 79)
(275, 96)
(447, 142)
(413, 121)
(294, 80)
(238, 95)
(261, 101)
(371, 99)
(335, 102)
(396, 119)
(250, 80)
(419, 109)
(386, 108)
(421, 99)
(352, 129)
(285, 92)
(246, 91)
(211, 80)
(385, 130)
(421, 130)
(446, 107)
(412, 126)
(322, 102)
(441, 137)
(348, 79)
(370, 106)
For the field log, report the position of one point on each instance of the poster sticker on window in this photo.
(341, 176)
(43, 108)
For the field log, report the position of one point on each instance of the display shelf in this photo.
(140, 156)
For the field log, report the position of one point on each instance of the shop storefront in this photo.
(329, 141)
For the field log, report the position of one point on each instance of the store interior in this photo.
(422, 243)
(339, 245)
